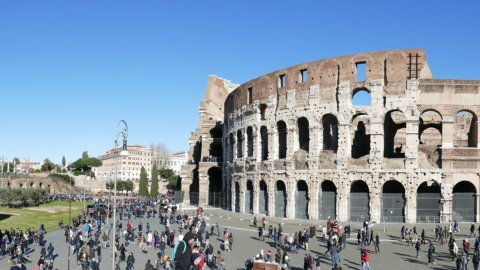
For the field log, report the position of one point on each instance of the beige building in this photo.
(128, 167)
(173, 161)
(294, 143)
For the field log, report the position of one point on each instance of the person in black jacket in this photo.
(183, 254)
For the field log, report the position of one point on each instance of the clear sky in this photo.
(70, 70)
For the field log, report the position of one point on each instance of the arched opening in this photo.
(466, 130)
(263, 203)
(215, 184)
(282, 139)
(40, 185)
(361, 97)
(393, 202)
(197, 152)
(301, 200)
(239, 144)
(264, 142)
(21, 185)
(280, 200)
(249, 197)
(361, 136)
(217, 131)
(263, 109)
(394, 134)
(303, 134)
(249, 142)
(327, 207)
(430, 135)
(330, 132)
(31, 184)
(359, 201)
(428, 202)
(463, 203)
(237, 197)
(231, 142)
(194, 188)
(215, 152)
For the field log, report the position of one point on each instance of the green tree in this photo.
(120, 185)
(129, 186)
(64, 162)
(166, 173)
(143, 185)
(109, 185)
(16, 161)
(47, 165)
(84, 165)
(154, 186)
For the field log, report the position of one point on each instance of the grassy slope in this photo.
(48, 214)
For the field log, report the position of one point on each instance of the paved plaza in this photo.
(395, 254)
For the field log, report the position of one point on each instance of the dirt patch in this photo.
(51, 209)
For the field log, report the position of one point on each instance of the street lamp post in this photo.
(124, 132)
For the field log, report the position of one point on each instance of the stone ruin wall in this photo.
(396, 94)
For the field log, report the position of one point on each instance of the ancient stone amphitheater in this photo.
(370, 136)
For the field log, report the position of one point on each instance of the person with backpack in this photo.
(417, 248)
(182, 252)
(431, 251)
(475, 259)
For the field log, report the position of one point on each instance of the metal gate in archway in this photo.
(248, 201)
(463, 206)
(359, 206)
(237, 198)
(393, 205)
(327, 205)
(194, 198)
(280, 203)
(263, 199)
(301, 204)
(215, 199)
(428, 207)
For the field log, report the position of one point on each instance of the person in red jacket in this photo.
(365, 259)
(197, 257)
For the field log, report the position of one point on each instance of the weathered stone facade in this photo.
(296, 146)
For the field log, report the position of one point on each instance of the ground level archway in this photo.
(464, 202)
(428, 202)
(327, 207)
(214, 186)
(249, 197)
(393, 202)
(301, 200)
(280, 199)
(359, 201)
(263, 203)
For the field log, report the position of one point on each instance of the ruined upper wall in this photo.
(390, 66)
(212, 106)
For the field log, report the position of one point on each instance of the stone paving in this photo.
(394, 254)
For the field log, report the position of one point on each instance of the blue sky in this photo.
(70, 70)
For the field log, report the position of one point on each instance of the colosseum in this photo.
(371, 136)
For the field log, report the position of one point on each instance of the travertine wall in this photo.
(402, 91)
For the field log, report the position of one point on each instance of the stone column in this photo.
(243, 188)
(376, 125)
(202, 187)
(290, 199)
(447, 196)
(344, 145)
(477, 207)
(448, 128)
(343, 197)
(271, 197)
(411, 198)
(313, 201)
(375, 200)
(257, 150)
(411, 151)
(256, 195)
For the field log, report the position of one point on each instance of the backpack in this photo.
(476, 258)
(175, 249)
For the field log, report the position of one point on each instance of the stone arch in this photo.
(239, 144)
(237, 197)
(464, 202)
(428, 201)
(361, 97)
(280, 199)
(217, 131)
(330, 132)
(361, 135)
(359, 201)
(327, 204)
(194, 188)
(231, 142)
(264, 142)
(249, 141)
(282, 139)
(263, 204)
(249, 197)
(215, 186)
(466, 129)
(197, 151)
(301, 200)
(216, 151)
(303, 133)
(393, 201)
(394, 127)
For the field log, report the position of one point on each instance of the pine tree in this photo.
(143, 185)
(154, 187)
